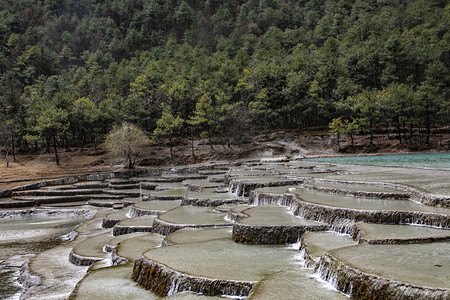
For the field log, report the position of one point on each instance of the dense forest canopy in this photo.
(70, 70)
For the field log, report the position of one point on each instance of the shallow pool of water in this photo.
(365, 203)
(224, 259)
(193, 215)
(20, 235)
(417, 264)
(274, 215)
(428, 160)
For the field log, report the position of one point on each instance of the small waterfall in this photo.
(28, 280)
(174, 286)
(239, 189)
(138, 212)
(130, 213)
(164, 281)
(233, 186)
(121, 230)
(116, 259)
(360, 285)
(326, 275)
(344, 226)
(303, 259)
(265, 198)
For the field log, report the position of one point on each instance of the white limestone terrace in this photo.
(189, 217)
(272, 224)
(398, 234)
(153, 207)
(351, 201)
(334, 209)
(411, 271)
(210, 197)
(215, 267)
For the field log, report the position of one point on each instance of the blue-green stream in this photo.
(424, 160)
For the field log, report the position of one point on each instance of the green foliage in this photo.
(52, 121)
(84, 112)
(283, 64)
(337, 126)
(167, 125)
(203, 114)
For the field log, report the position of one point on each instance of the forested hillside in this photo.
(71, 69)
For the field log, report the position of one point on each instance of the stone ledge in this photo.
(166, 228)
(337, 215)
(359, 232)
(346, 192)
(211, 202)
(165, 281)
(126, 229)
(139, 212)
(242, 188)
(110, 175)
(16, 204)
(61, 193)
(360, 285)
(80, 260)
(271, 234)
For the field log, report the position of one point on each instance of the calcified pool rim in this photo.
(343, 221)
(410, 160)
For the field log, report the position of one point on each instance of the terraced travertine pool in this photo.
(363, 203)
(440, 161)
(356, 229)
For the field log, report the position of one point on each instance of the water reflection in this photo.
(35, 233)
(428, 161)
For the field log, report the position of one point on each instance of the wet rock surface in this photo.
(398, 234)
(271, 225)
(293, 284)
(417, 271)
(226, 274)
(131, 225)
(216, 213)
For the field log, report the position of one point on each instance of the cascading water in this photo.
(341, 218)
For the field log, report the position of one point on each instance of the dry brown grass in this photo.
(29, 167)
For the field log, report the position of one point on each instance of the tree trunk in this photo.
(399, 133)
(192, 142)
(56, 149)
(84, 140)
(66, 141)
(353, 141)
(6, 157)
(339, 141)
(170, 145)
(387, 129)
(371, 133)
(47, 144)
(411, 129)
(128, 163)
(209, 138)
(404, 132)
(13, 146)
(428, 125)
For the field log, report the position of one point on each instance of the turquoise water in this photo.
(428, 161)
